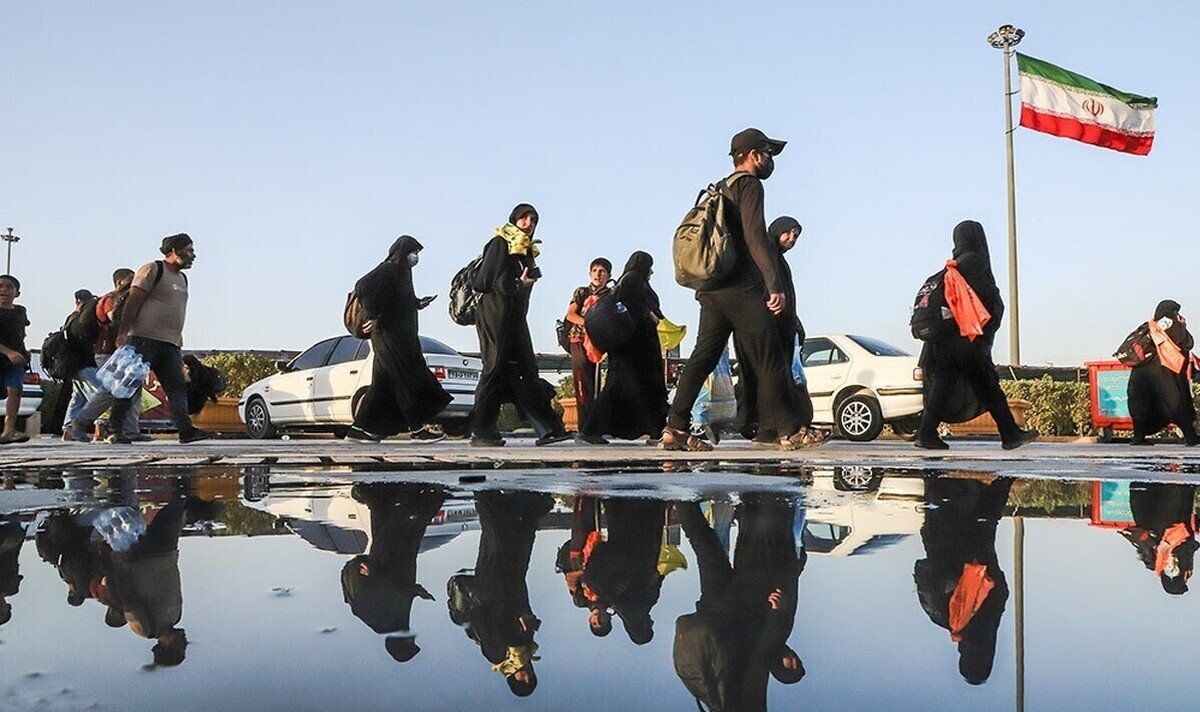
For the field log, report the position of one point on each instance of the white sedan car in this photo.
(321, 388)
(858, 383)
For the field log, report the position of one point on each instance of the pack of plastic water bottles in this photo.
(120, 527)
(123, 372)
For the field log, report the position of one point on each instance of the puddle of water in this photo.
(848, 588)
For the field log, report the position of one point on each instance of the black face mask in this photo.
(764, 170)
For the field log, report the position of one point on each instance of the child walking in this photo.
(14, 358)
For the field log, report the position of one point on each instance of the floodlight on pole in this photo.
(10, 238)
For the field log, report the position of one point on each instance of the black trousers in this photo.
(584, 372)
(740, 311)
(166, 360)
(973, 361)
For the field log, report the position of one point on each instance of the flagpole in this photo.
(1005, 39)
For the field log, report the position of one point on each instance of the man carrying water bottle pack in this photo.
(152, 324)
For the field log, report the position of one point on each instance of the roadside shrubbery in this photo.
(1055, 407)
(240, 369)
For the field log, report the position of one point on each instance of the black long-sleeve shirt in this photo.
(757, 262)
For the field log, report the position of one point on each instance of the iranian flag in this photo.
(1063, 103)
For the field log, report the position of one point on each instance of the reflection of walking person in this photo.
(959, 582)
(12, 536)
(1160, 391)
(381, 585)
(727, 650)
(947, 359)
(492, 603)
(1164, 531)
(403, 394)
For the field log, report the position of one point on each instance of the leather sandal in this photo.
(673, 439)
(804, 438)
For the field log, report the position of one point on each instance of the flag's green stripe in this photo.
(1058, 75)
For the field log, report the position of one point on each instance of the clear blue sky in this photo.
(295, 140)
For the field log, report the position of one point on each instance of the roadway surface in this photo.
(1065, 460)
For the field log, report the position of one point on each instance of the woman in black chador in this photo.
(404, 394)
(492, 603)
(381, 585)
(505, 281)
(948, 360)
(959, 582)
(1164, 531)
(1160, 391)
(633, 402)
(622, 571)
(727, 650)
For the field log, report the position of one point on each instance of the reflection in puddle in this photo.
(615, 591)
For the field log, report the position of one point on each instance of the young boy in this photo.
(13, 356)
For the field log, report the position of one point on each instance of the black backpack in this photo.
(608, 323)
(562, 331)
(57, 359)
(463, 297)
(1137, 348)
(931, 317)
(84, 328)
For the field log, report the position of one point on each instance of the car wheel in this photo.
(859, 419)
(258, 420)
(856, 478)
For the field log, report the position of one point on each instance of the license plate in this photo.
(463, 375)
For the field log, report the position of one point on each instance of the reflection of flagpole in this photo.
(1006, 38)
(1019, 584)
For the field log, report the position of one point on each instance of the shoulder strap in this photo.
(158, 274)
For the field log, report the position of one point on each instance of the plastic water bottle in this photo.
(123, 372)
(121, 527)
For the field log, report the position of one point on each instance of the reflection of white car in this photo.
(331, 519)
(859, 383)
(859, 510)
(321, 388)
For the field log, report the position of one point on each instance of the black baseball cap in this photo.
(750, 139)
(783, 224)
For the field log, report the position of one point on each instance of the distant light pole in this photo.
(10, 238)
(1005, 39)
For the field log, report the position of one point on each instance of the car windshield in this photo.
(433, 346)
(877, 347)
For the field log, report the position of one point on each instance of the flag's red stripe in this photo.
(1088, 133)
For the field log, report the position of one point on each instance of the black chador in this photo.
(956, 368)
(623, 570)
(633, 402)
(509, 366)
(403, 394)
(1159, 395)
(1164, 531)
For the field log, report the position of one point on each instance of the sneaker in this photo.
(357, 434)
(425, 436)
(1024, 437)
(117, 439)
(930, 443)
(193, 435)
(482, 441)
(551, 438)
(138, 437)
(15, 436)
(590, 439)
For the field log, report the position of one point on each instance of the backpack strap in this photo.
(160, 265)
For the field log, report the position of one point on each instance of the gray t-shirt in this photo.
(165, 308)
